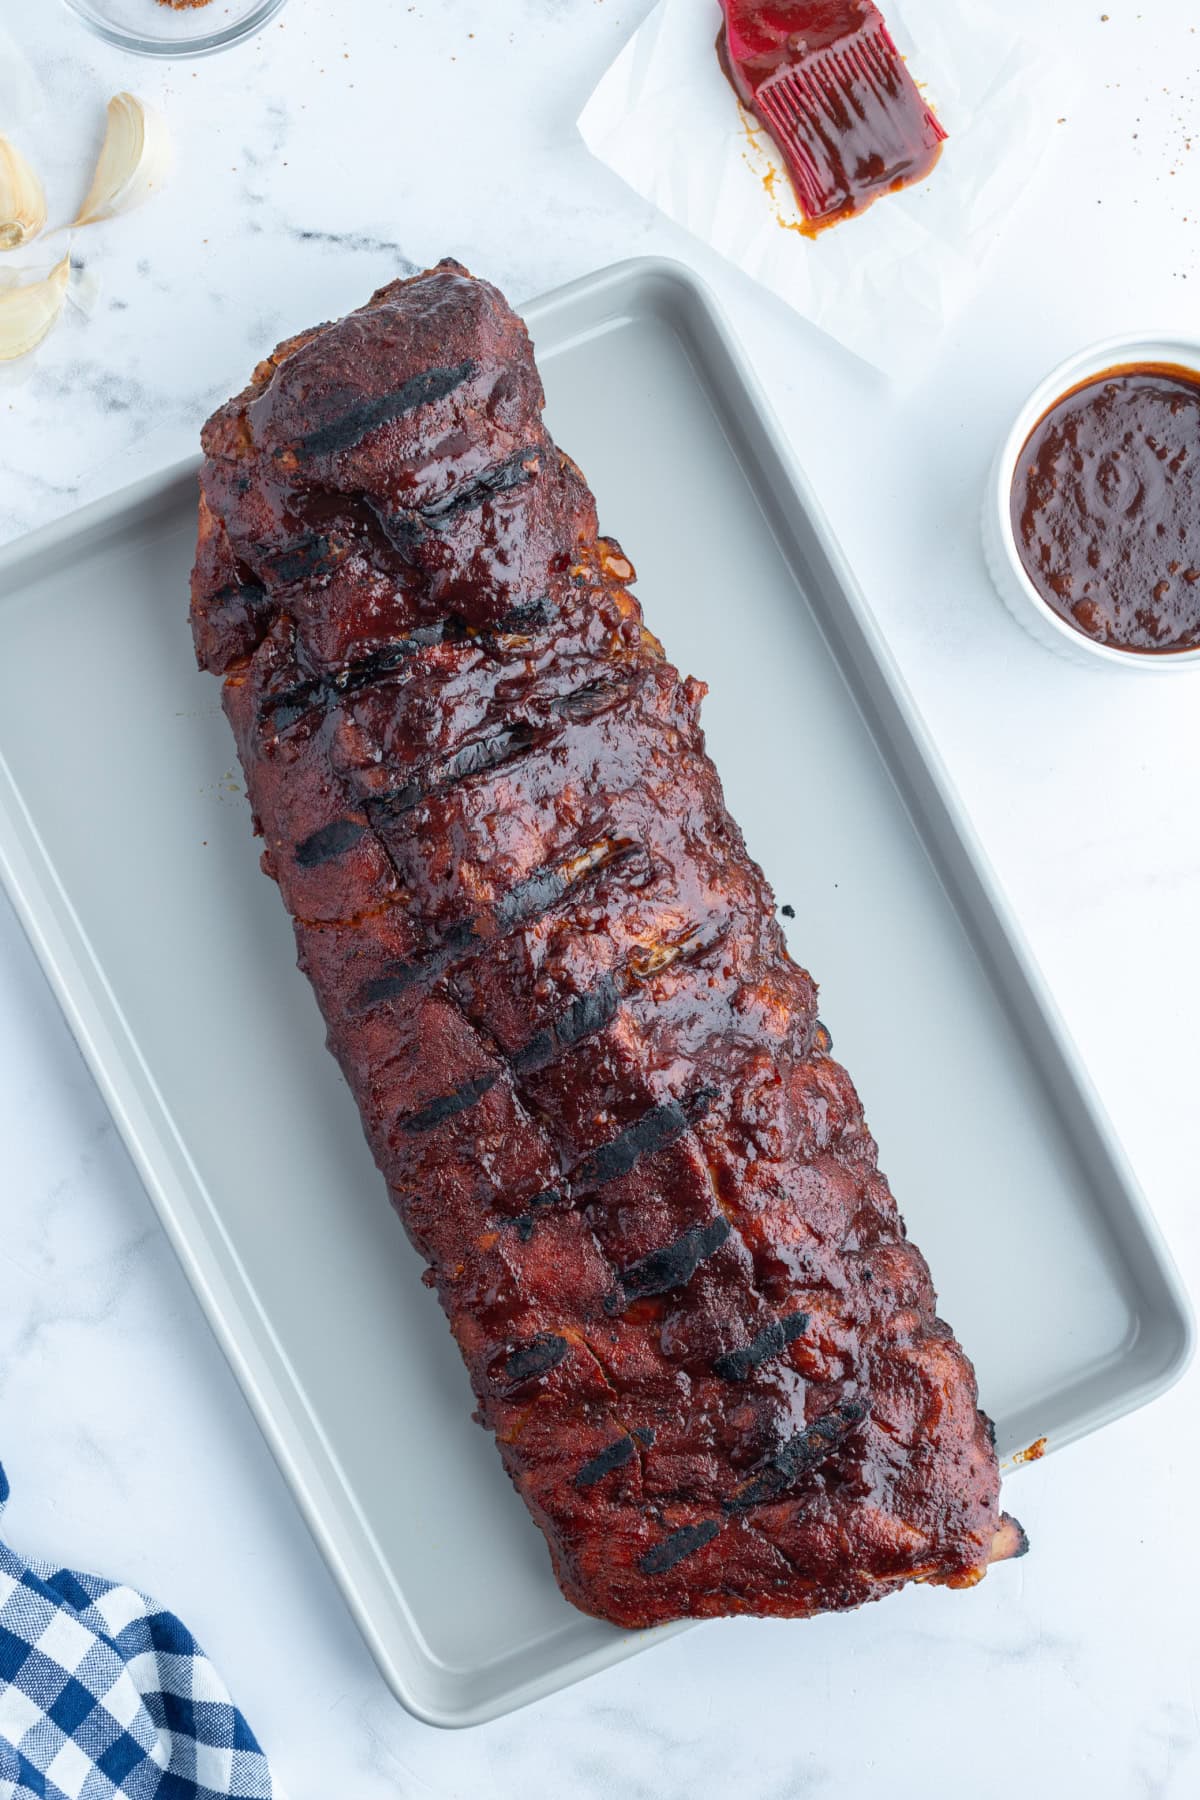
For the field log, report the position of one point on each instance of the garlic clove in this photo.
(135, 160)
(28, 309)
(22, 200)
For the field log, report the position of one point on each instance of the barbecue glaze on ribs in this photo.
(593, 1078)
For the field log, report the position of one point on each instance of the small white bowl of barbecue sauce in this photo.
(1091, 523)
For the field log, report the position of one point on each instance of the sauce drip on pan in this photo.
(1106, 508)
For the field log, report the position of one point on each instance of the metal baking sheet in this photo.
(125, 843)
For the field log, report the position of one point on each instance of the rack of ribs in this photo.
(593, 1078)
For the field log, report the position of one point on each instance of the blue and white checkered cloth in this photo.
(102, 1695)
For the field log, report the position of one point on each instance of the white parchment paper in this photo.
(665, 119)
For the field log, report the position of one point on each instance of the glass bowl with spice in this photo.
(1091, 520)
(175, 28)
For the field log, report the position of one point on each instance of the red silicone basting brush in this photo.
(831, 87)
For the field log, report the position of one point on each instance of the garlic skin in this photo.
(135, 160)
(22, 199)
(29, 309)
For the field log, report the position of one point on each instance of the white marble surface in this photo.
(352, 141)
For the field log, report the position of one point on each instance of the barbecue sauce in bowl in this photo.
(1105, 508)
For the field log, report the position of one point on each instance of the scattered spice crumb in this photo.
(1034, 1453)
(789, 912)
